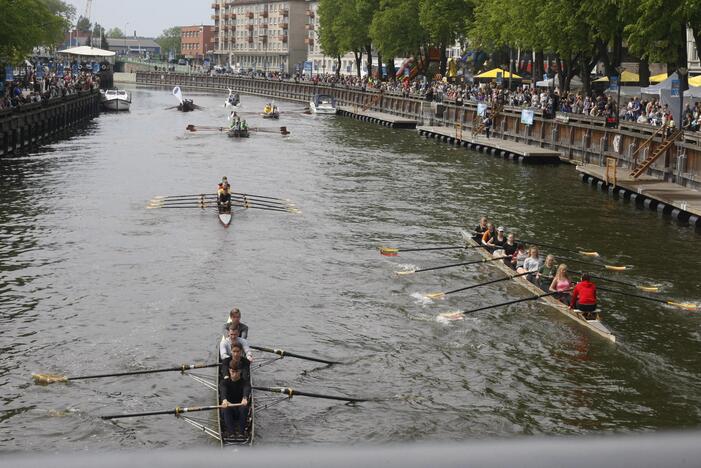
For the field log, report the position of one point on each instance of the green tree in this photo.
(83, 24)
(169, 40)
(31, 24)
(443, 20)
(396, 31)
(351, 30)
(328, 39)
(114, 33)
(366, 10)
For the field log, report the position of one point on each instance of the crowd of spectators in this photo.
(29, 89)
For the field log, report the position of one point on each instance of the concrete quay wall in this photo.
(578, 138)
(33, 124)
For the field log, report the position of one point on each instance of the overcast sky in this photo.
(148, 17)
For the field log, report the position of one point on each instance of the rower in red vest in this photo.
(584, 297)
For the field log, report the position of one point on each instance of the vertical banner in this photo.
(40, 72)
(9, 73)
(527, 116)
(74, 69)
(613, 85)
(500, 78)
(481, 109)
(59, 70)
(95, 68)
(676, 85)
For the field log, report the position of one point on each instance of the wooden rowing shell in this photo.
(595, 325)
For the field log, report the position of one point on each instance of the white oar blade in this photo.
(450, 316)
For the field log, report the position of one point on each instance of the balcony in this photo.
(284, 25)
(214, 17)
(215, 5)
(250, 39)
(282, 38)
(264, 14)
(309, 27)
(309, 40)
(284, 12)
(250, 27)
(249, 14)
(310, 13)
(263, 39)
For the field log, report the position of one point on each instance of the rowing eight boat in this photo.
(594, 325)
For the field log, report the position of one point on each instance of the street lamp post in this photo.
(126, 53)
(682, 74)
(619, 70)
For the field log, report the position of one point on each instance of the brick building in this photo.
(197, 42)
(263, 35)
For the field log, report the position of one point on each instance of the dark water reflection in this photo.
(91, 281)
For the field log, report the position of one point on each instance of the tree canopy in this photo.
(25, 24)
(169, 40)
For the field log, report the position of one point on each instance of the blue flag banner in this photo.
(9, 73)
(59, 70)
(676, 84)
(500, 78)
(40, 72)
(613, 85)
(308, 67)
(74, 69)
(95, 67)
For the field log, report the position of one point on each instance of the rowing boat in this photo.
(595, 325)
(247, 437)
(225, 216)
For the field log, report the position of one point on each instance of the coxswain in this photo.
(268, 108)
(235, 392)
(224, 194)
(584, 297)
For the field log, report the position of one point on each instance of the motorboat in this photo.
(115, 99)
(322, 104)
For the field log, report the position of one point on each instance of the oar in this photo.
(212, 202)
(459, 314)
(207, 195)
(411, 272)
(580, 252)
(394, 251)
(650, 289)
(280, 130)
(256, 207)
(608, 267)
(193, 128)
(681, 305)
(52, 378)
(441, 295)
(291, 392)
(158, 200)
(283, 353)
(176, 411)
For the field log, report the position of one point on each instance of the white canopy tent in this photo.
(664, 91)
(87, 51)
(575, 82)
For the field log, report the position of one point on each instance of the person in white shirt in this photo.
(233, 336)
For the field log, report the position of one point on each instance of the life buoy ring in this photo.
(617, 143)
(103, 67)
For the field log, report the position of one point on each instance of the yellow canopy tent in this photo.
(658, 78)
(695, 81)
(626, 77)
(493, 74)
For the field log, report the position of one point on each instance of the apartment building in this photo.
(196, 42)
(317, 62)
(263, 35)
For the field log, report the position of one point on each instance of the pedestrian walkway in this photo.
(496, 146)
(679, 202)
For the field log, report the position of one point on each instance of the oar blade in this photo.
(389, 251)
(684, 305)
(616, 267)
(435, 295)
(405, 272)
(650, 289)
(46, 379)
(450, 316)
(589, 253)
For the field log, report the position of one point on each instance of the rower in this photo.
(531, 264)
(546, 273)
(488, 234)
(481, 228)
(224, 194)
(497, 242)
(584, 297)
(235, 318)
(561, 283)
(509, 248)
(234, 389)
(232, 338)
(519, 256)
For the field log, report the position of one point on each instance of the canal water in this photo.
(92, 282)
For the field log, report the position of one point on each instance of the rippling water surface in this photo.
(92, 282)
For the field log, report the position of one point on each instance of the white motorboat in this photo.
(232, 100)
(116, 99)
(322, 104)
